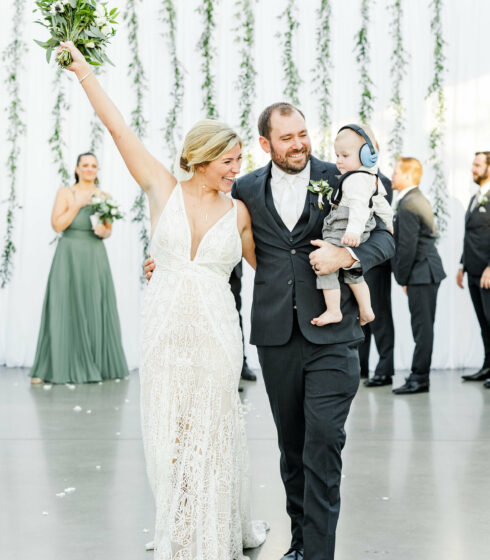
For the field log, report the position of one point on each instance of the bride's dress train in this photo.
(192, 421)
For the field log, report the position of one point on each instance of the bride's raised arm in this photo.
(147, 171)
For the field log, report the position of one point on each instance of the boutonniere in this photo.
(483, 202)
(322, 189)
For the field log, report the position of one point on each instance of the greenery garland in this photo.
(138, 121)
(321, 73)
(205, 47)
(177, 93)
(246, 79)
(399, 61)
(56, 139)
(436, 93)
(12, 59)
(291, 74)
(363, 58)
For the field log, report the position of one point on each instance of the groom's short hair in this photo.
(265, 117)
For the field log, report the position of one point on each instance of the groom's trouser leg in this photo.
(331, 380)
(282, 369)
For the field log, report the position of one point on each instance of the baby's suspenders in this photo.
(338, 193)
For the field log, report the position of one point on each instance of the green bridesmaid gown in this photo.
(80, 336)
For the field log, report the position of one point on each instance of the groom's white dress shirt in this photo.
(289, 193)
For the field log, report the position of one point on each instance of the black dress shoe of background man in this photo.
(480, 375)
(247, 373)
(486, 384)
(411, 386)
(293, 554)
(379, 381)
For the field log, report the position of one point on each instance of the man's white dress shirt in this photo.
(289, 193)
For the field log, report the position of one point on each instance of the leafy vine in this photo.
(436, 94)
(399, 61)
(291, 74)
(322, 77)
(12, 58)
(56, 139)
(138, 121)
(246, 79)
(363, 59)
(205, 47)
(177, 94)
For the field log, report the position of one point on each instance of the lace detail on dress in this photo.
(192, 421)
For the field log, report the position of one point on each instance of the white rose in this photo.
(99, 21)
(113, 211)
(90, 45)
(100, 10)
(96, 200)
(106, 30)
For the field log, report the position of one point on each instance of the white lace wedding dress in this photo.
(192, 421)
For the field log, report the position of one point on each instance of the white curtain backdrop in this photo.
(467, 89)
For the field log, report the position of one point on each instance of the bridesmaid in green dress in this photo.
(80, 336)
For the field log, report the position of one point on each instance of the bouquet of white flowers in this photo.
(104, 210)
(88, 24)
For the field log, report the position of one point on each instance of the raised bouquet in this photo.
(104, 210)
(90, 25)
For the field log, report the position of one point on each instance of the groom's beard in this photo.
(479, 179)
(290, 166)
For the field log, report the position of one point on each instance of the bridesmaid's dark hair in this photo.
(77, 178)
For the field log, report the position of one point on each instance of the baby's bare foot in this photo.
(366, 316)
(327, 318)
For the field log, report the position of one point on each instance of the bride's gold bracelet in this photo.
(86, 76)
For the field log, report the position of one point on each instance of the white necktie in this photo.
(288, 210)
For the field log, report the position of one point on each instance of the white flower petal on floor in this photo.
(77, 409)
(47, 387)
(70, 490)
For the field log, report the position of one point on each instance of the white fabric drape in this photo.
(457, 339)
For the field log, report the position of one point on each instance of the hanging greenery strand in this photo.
(96, 127)
(363, 59)
(321, 73)
(138, 122)
(436, 95)
(56, 139)
(177, 93)
(291, 74)
(205, 47)
(12, 59)
(399, 61)
(246, 79)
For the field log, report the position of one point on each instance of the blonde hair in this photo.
(367, 129)
(412, 167)
(206, 141)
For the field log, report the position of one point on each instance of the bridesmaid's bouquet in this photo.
(90, 25)
(104, 211)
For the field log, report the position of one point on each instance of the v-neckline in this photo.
(189, 231)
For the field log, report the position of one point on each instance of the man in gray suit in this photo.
(417, 267)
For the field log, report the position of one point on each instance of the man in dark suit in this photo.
(236, 288)
(311, 373)
(417, 267)
(476, 258)
(379, 281)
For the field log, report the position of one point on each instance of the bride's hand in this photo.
(79, 63)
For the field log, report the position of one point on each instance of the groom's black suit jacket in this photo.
(284, 277)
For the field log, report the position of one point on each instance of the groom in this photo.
(311, 373)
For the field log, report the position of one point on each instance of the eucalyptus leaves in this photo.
(436, 95)
(363, 59)
(291, 74)
(12, 59)
(88, 24)
(205, 47)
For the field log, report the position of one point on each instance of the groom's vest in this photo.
(285, 283)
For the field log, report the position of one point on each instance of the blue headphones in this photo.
(368, 154)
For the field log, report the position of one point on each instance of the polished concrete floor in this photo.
(416, 482)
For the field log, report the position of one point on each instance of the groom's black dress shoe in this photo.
(412, 386)
(486, 384)
(379, 381)
(480, 375)
(293, 554)
(247, 373)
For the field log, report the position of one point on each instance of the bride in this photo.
(193, 430)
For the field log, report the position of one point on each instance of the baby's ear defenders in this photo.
(368, 154)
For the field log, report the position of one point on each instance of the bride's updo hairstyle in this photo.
(206, 141)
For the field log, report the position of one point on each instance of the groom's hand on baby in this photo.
(149, 267)
(329, 258)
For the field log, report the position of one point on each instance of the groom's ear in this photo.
(265, 144)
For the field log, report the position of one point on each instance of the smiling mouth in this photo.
(297, 156)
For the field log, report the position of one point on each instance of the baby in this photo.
(360, 194)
